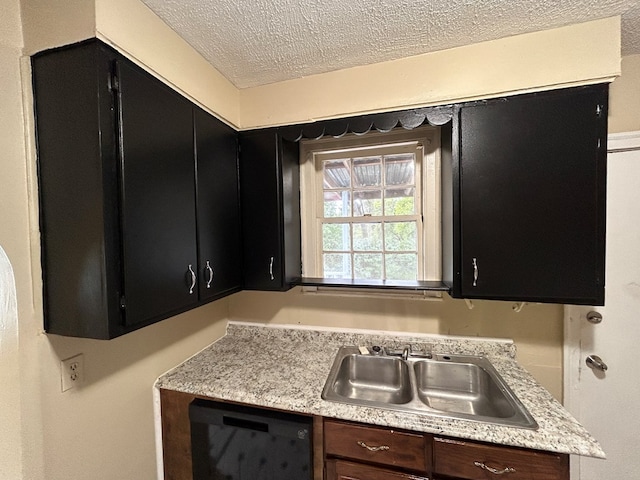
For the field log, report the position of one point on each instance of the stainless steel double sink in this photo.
(454, 386)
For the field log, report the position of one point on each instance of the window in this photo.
(371, 206)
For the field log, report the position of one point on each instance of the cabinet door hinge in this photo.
(114, 82)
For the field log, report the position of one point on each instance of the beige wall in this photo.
(104, 429)
(14, 241)
(624, 98)
(10, 410)
(136, 31)
(573, 55)
(109, 420)
(48, 24)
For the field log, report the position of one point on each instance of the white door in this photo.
(607, 402)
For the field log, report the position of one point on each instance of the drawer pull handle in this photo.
(380, 448)
(495, 471)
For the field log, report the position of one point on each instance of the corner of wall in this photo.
(624, 97)
(131, 27)
(48, 24)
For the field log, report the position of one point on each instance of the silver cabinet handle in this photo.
(379, 448)
(595, 362)
(475, 272)
(210, 271)
(193, 280)
(495, 471)
(271, 268)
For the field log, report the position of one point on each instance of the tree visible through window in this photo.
(371, 217)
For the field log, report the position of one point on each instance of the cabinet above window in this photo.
(523, 193)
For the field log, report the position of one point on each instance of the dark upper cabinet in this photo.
(138, 190)
(158, 212)
(270, 200)
(529, 186)
(218, 209)
(142, 215)
(78, 191)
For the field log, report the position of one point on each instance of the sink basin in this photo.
(454, 386)
(461, 387)
(373, 379)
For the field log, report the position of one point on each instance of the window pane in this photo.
(367, 265)
(336, 236)
(367, 203)
(336, 265)
(399, 201)
(399, 169)
(336, 173)
(337, 204)
(367, 236)
(402, 266)
(367, 172)
(401, 236)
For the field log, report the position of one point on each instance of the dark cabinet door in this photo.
(532, 197)
(218, 209)
(78, 190)
(269, 187)
(157, 197)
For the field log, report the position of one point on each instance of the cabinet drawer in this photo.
(342, 470)
(475, 461)
(375, 444)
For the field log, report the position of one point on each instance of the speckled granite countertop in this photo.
(286, 368)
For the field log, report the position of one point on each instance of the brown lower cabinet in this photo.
(354, 451)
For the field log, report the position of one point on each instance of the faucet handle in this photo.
(406, 351)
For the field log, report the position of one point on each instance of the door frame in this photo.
(572, 364)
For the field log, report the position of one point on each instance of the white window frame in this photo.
(426, 140)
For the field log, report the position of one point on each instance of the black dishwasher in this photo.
(235, 442)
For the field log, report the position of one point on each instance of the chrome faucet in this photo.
(405, 352)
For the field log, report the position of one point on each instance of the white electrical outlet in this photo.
(72, 370)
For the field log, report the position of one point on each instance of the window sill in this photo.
(404, 290)
(436, 286)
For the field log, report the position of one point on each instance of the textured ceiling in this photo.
(255, 42)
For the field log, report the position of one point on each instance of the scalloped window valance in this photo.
(382, 122)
